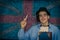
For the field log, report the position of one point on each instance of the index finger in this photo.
(26, 18)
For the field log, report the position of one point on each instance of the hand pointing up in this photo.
(24, 22)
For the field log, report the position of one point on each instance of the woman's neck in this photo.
(45, 24)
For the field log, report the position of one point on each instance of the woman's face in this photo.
(43, 17)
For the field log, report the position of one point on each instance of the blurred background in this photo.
(12, 12)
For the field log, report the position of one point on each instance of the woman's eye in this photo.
(45, 14)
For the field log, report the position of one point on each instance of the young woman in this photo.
(43, 25)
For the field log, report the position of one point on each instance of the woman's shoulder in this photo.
(34, 26)
(53, 26)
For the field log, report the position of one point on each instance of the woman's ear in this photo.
(48, 17)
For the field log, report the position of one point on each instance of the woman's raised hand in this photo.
(24, 22)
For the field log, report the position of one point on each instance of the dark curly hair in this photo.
(41, 9)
